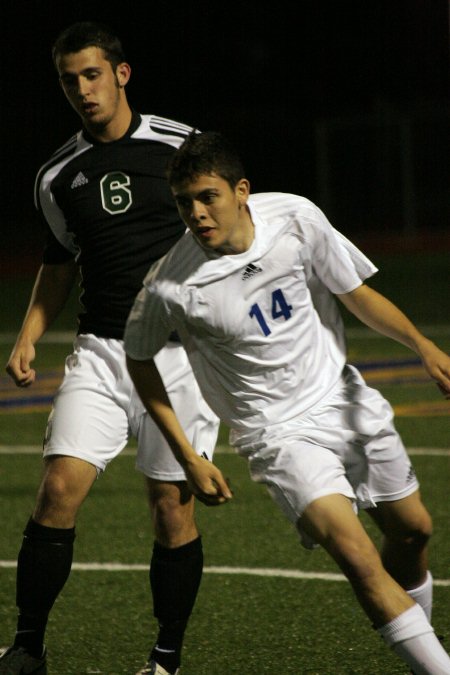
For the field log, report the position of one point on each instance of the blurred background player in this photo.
(254, 305)
(109, 214)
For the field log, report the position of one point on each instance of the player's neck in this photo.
(242, 238)
(116, 128)
(248, 231)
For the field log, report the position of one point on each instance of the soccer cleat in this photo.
(17, 661)
(153, 668)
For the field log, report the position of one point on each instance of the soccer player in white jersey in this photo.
(253, 302)
(108, 212)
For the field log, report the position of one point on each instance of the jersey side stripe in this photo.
(72, 142)
(164, 126)
(63, 152)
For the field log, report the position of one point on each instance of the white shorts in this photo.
(347, 445)
(96, 408)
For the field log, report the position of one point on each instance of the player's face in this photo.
(216, 213)
(92, 88)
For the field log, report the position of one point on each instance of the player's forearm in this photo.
(151, 389)
(380, 314)
(204, 479)
(383, 316)
(49, 295)
(165, 418)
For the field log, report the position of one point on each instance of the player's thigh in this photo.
(403, 518)
(65, 485)
(176, 494)
(172, 511)
(89, 417)
(377, 464)
(296, 472)
(332, 522)
(155, 458)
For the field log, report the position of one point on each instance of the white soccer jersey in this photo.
(261, 328)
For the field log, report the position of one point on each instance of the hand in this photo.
(437, 365)
(206, 482)
(444, 390)
(18, 366)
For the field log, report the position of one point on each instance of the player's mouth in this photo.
(90, 108)
(205, 232)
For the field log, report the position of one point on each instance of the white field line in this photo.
(52, 338)
(249, 571)
(67, 337)
(220, 450)
(252, 571)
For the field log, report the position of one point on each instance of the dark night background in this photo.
(346, 102)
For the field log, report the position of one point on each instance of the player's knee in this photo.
(172, 510)
(55, 504)
(415, 533)
(169, 513)
(55, 490)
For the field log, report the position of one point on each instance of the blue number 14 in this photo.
(280, 308)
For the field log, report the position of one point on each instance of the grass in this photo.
(242, 623)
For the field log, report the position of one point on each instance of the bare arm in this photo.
(50, 292)
(204, 479)
(382, 315)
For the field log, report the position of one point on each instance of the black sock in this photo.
(175, 575)
(43, 567)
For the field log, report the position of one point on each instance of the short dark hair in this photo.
(85, 34)
(203, 154)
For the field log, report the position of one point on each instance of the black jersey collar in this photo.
(134, 124)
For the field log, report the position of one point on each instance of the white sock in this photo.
(412, 638)
(423, 595)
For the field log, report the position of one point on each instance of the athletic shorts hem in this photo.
(409, 490)
(326, 492)
(90, 459)
(165, 477)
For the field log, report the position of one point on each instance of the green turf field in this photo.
(249, 617)
(242, 623)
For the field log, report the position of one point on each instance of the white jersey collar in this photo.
(219, 266)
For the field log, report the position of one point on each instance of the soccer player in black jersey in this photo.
(109, 215)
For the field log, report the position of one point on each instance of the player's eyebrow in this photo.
(67, 75)
(207, 192)
(188, 196)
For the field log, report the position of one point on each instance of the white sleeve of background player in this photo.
(338, 263)
(148, 328)
(54, 216)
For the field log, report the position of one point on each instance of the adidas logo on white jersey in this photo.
(250, 271)
(79, 180)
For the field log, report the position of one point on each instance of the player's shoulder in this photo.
(289, 213)
(180, 263)
(64, 154)
(162, 129)
(67, 150)
(282, 204)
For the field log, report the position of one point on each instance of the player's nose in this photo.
(198, 211)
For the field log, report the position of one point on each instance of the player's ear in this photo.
(242, 190)
(123, 72)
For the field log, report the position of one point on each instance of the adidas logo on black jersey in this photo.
(79, 180)
(250, 271)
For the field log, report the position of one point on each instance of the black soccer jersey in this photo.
(109, 206)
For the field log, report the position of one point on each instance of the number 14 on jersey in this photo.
(280, 309)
